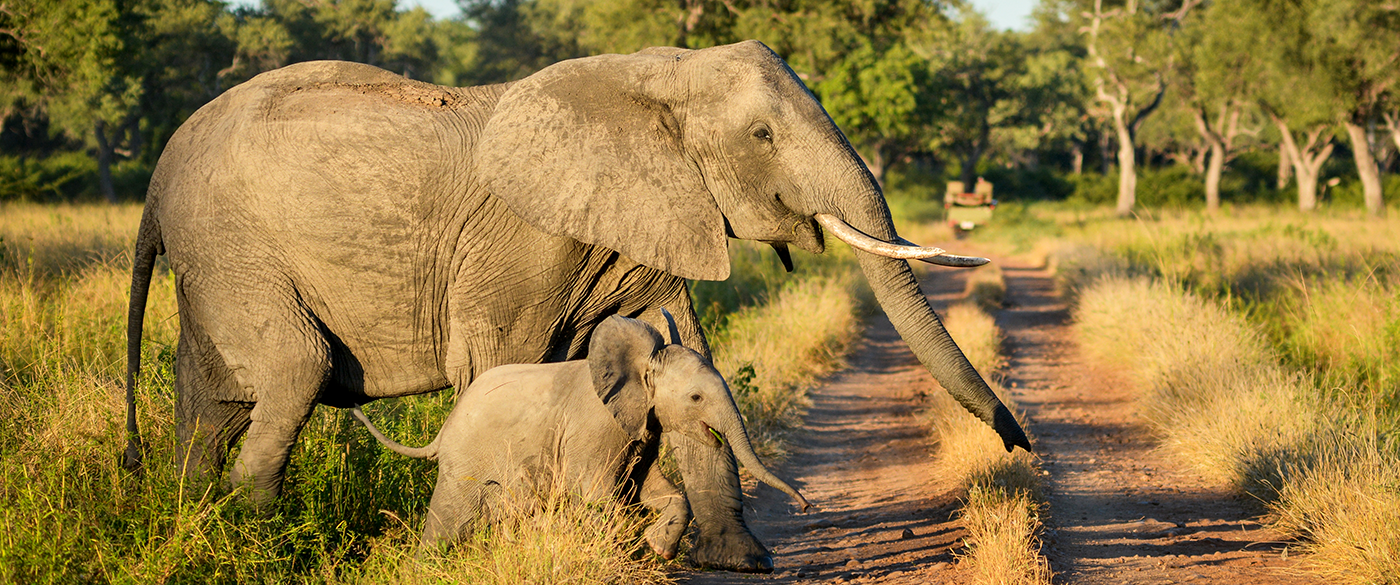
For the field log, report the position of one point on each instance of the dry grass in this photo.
(1004, 537)
(550, 538)
(350, 510)
(1325, 472)
(1004, 500)
(985, 288)
(69, 513)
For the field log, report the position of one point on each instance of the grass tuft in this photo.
(1217, 396)
(1004, 498)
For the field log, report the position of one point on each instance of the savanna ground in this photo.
(1212, 399)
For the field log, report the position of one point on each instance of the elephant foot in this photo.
(734, 551)
(664, 537)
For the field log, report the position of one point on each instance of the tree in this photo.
(1355, 43)
(979, 74)
(880, 100)
(1055, 65)
(1129, 61)
(1218, 73)
(67, 67)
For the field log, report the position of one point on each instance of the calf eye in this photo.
(763, 134)
(695, 398)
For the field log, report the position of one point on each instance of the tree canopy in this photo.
(917, 85)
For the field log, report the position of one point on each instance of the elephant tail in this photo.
(149, 244)
(429, 451)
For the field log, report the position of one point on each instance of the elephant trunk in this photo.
(732, 428)
(899, 295)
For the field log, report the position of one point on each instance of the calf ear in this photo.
(618, 356)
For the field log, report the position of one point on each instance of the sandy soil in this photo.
(1119, 511)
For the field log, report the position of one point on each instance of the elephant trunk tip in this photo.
(1012, 436)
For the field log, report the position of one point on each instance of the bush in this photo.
(68, 177)
(61, 177)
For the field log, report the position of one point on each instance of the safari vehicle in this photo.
(965, 211)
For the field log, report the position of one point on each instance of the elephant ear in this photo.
(619, 354)
(591, 149)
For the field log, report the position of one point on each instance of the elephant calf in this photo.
(595, 424)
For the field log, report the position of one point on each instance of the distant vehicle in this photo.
(965, 211)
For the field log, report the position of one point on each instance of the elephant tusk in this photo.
(901, 248)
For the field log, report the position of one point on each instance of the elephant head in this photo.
(680, 150)
(638, 376)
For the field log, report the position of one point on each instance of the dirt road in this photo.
(1119, 512)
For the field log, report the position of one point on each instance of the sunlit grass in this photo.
(1215, 393)
(1264, 344)
(1004, 499)
(350, 510)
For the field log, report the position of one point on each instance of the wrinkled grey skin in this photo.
(592, 426)
(340, 234)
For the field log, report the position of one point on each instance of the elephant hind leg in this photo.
(287, 374)
(208, 419)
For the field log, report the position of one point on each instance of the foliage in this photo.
(920, 88)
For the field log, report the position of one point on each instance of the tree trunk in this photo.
(104, 163)
(1216, 146)
(1366, 167)
(1306, 166)
(1285, 167)
(968, 170)
(1392, 123)
(1127, 164)
(1076, 158)
(1213, 170)
(1105, 152)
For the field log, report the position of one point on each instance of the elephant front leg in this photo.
(711, 476)
(673, 513)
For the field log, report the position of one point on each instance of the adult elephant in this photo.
(340, 234)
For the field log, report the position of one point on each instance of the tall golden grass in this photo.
(1216, 394)
(1004, 501)
(350, 510)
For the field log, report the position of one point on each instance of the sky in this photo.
(1003, 14)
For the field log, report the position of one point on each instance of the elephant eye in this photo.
(695, 398)
(763, 134)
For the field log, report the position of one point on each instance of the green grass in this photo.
(351, 510)
(1289, 324)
